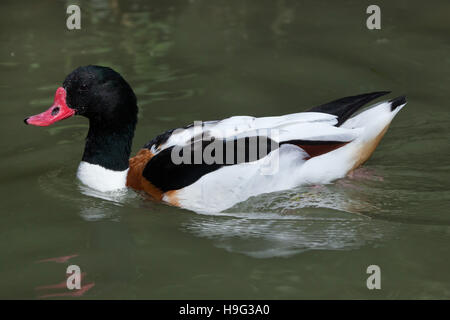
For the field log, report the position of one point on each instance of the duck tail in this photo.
(396, 102)
(345, 107)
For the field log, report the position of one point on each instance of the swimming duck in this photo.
(211, 166)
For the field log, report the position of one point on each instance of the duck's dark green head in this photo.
(95, 92)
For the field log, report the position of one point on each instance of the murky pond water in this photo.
(204, 60)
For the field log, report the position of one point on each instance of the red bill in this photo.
(58, 111)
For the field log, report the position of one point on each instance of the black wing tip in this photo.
(347, 106)
(396, 102)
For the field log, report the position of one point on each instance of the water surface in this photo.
(206, 60)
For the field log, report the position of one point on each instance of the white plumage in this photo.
(223, 188)
(101, 179)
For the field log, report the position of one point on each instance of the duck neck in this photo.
(109, 146)
(104, 166)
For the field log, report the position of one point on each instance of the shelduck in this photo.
(211, 166)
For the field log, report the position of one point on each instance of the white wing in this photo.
(313, 126)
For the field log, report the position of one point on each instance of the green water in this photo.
(205, 60)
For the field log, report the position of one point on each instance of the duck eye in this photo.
(83, 87)
(55, 111)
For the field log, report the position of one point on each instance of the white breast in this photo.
(101, 179)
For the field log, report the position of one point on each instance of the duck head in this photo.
(97, 93)
(107, 100)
